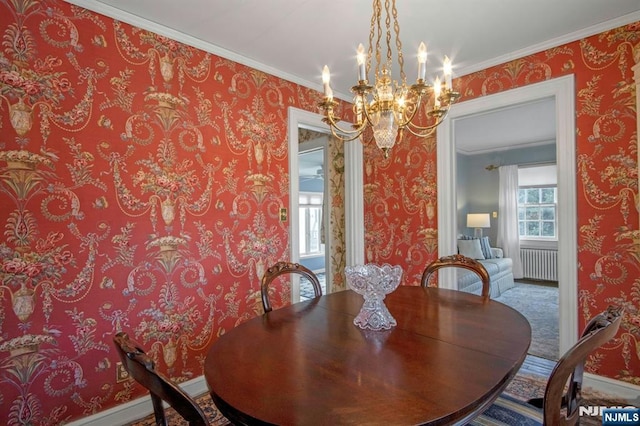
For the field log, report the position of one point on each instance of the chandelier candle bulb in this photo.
(422, 62)
(361, 57)
(436, 92)
(325, 82)
(447, 72)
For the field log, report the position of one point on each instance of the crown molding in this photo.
(551, 43)
(131, 19)
(145, 24)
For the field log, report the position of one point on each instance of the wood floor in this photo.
(538, 366)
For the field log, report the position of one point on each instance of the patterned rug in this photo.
(521, 388)
(539, 305)
(526, 386)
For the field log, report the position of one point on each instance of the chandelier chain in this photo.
(376, 15)
(387, 24)
(396, 28)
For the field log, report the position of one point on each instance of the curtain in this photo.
(508, 236)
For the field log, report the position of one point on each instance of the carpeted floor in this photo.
(539, 304)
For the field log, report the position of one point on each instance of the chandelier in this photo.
(387, 107)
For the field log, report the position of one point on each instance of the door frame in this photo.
(354, 195)
(563, 91)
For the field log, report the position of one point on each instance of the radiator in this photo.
(539, 264)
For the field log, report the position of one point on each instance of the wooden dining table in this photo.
(450, 355)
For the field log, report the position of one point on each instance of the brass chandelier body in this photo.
(387, 107)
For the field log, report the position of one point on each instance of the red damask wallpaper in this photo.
(140, 187)
(399, 192)
(140, 184)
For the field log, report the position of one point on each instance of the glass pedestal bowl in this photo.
(374, 282)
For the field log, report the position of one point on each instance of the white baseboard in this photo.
(136, 409)
(615, 388)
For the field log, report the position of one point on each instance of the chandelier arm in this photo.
(412, 126)
(351, 134)
(367, 117)
(428, 131)
(405, 121)
(438, 121)
(343, 136)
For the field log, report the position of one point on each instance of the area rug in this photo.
(539, 305)
(511, 411)
(173, 418)
(521, 388)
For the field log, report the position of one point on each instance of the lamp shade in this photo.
(478, 220)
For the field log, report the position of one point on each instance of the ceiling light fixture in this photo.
(387, 107)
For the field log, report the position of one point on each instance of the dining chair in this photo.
(459, 261)
(141, 367)
(563, 393)
(281, 268)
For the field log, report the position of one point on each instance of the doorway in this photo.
(353, 232)
(562, 90)
(313, 215)
(524, 136)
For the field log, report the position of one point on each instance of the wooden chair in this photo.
(286, 268)
(459, 261)
(557, 407)
(142, 369)
(600, 329)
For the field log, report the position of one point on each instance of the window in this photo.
(310, 210)
(537, 212)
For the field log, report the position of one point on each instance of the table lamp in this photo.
(478, 221)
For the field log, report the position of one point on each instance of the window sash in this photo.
(537, 212)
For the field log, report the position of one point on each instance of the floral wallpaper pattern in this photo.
(140, 187)
(400, 195)
(141, 181)
(399, 192)
(338, 251)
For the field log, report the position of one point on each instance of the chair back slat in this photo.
(281, 268)
(459, 261)
(142, 369)
(562, 408)
(560, 405)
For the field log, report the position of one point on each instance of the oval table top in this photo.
(451, 354)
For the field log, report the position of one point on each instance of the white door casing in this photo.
(562, 89)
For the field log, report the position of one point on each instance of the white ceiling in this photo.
(522, 125)
(295, 39)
